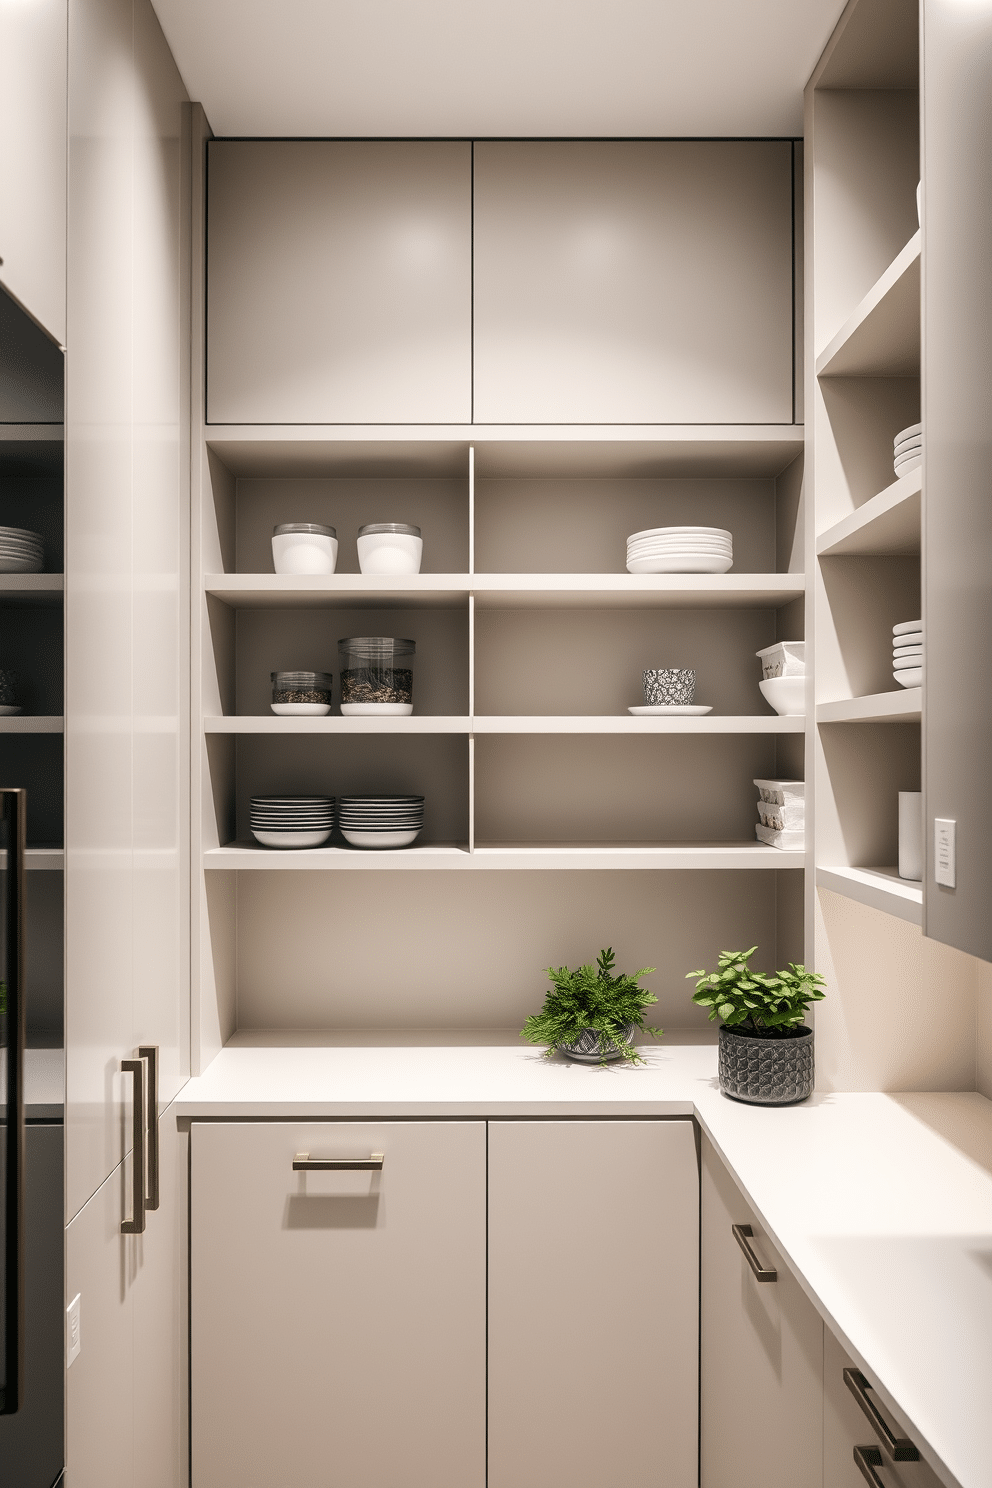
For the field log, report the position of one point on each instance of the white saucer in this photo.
(9, 709)
(670, 710)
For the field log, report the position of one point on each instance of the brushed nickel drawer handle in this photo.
(304, 1163)
(149, 1052)
(743, 1234)
(899, 1448)
(136, 1224)
(868, 1458)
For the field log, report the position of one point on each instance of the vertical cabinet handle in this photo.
(136, 1224)
(899, 1448)
(868, 1458)
(743, 1234)
(149, 1052)
(13, 807)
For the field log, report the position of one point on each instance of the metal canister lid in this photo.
(371, 528)
(289, 680)
(313, 528)
(376, 646)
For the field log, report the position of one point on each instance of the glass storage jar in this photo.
(376, 675)
(304, 548)
(301, 694)
(389, 548)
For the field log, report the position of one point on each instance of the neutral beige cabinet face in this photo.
(761, 1343)
(593, 1304)
(339, 282)
(633, 282)
(338, 1319)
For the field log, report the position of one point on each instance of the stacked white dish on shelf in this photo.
(659, 550)
(381, 821)
(21, 551)
(782, 814)
(291, 821)
(907, 653)
(907, 449)
(783, 677)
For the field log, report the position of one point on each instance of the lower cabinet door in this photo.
(761, 1407)
(338, 1317)
(847, 1425)
(593, 1304)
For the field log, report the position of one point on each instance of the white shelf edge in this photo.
(843, 537)
(32, 723)
(504, 433)
(557, 857)
(34, 583)
(883, 286)
(878, 888)
(905, 705)
(508, 724)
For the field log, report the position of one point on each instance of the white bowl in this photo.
(380, 839)
(304, 553)
(292, 839)
(691, 563)
(300, 710)
(787, 695)
(390, 553)
(909, 677)
(364, 710)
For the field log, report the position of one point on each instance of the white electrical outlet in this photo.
(944, 864)
(73, 1336)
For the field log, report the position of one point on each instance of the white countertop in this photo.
(880, 1204)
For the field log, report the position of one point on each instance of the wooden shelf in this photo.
(607, 723)
(681, 856)
(887, 525)
(31, 723)
(904, 705)
(507, 591)
(882, 337)
(879, 888)
(506, 450)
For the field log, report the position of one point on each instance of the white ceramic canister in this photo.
(304, 548)
(389, 548)
(911, 835)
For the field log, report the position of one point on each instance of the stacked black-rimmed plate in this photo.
(291, 821)
(381, 821)
(21, 551)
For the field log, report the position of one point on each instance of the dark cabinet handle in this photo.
(304, 1163)
(149, 1052)
(136, 1224)
(13, 805)
(743, 1234)
(899, 1448)
(868, 1458)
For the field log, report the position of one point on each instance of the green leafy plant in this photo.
(756, 1002)
(592, 997)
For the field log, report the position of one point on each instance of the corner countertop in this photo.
(880, 1204)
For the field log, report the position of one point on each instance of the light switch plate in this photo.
(944, 855)
(73, 1336)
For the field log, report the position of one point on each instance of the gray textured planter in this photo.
(586, 1048)
(766, 1071)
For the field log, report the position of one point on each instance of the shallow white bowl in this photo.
(363, 710)
(380, 839)
(304, 553)
(672, 710)
(390, 553)
(682, 532)
(909, 677)
(291, 839)
(300, 710)
(787, 695)
(21, 565)
(692, 563)
(7, 710)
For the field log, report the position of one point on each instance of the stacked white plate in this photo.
(381, 821)
(291, 821)
(907, 449)
(680, 550)
(907, 653)
(21, 551)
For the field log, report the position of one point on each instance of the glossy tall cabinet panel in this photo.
(957, 420)
(593, 1304)
(633, 282)
(338, 1318)
(761, 1354)
(32, 158)
(339, 281)
(126, 545)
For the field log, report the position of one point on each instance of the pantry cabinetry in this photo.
(761, 1351)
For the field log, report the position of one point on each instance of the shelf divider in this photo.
(904, 705)
(882, 337)
(887, 525)
(878, 888)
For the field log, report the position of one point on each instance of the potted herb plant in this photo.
(591, 1014)
(766, 1050)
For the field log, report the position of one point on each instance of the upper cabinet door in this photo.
(32, 159)
(634, 282)
(339, 282)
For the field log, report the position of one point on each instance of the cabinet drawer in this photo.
(338, 1318)
(846, 1426)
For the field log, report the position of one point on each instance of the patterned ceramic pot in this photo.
(766, 1071)
(587, 1048)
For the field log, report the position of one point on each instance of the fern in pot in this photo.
(591, 1014)
(766, 1049)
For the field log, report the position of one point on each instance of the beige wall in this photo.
(983, 1082)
